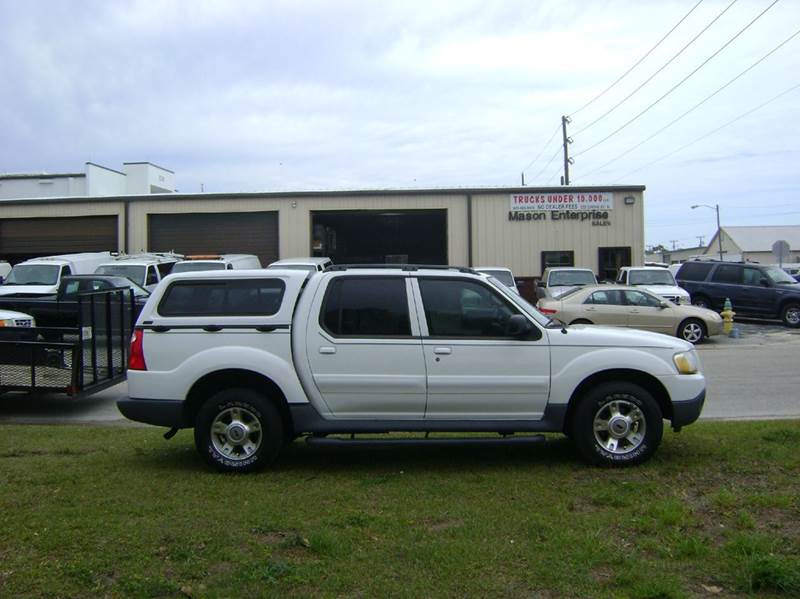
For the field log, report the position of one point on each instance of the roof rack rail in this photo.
(404, 267)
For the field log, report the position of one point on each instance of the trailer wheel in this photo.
(238, 430)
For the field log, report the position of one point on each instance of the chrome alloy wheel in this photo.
(619, 426)
(692, 332)
(236, 433)
(793, 315)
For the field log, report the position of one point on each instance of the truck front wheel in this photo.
(617, 424)
(238, 430)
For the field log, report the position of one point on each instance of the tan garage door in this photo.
(23, 238)
(216, 233)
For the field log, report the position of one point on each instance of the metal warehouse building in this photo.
(523, 228)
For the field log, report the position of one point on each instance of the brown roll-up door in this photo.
(216, 233)
(23, 238)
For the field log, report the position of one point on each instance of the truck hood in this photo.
(10, 314)
(594, 335)
(27, 290)
(665, 290)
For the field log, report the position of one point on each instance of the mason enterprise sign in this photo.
(580, 207)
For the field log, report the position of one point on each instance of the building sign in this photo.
(523, 202)
(597, 218)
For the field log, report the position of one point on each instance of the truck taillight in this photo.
(136, 356)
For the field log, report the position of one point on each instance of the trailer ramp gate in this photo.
(77, 360)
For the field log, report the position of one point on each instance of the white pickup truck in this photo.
(254, 359)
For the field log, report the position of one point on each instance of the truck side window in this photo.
(164, 268)
(71, 288)
(727, 273)
(366, 307)
(152, 277)
(459, 308)
(694, 271)
(247, 297)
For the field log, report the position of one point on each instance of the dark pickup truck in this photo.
(757, 290)
(61, 309)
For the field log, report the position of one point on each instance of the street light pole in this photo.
(719, 229)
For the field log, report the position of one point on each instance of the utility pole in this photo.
(673, 242)
(700, 239)
(567, 141)
(719, 233)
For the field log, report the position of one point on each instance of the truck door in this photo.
(476, 370)
(365, 353)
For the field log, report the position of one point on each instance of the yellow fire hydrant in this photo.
(727, 316)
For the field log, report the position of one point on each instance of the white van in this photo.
(309, 264)
(502, 274)
(41, 276)
(146, 270)
(218, 262)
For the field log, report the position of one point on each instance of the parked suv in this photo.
(760, 290)
(254, 359)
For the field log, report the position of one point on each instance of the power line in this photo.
(544, 147)
(653, 76)
(549, 162)
(638, 62)
(698, 105)
(683, 224)
(710, 133)
(681, 82)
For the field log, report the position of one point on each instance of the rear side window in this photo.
(694, 271)
(727, 273)
(248, 297)
(366, 307)
(606, 297)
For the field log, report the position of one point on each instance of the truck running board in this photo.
(430, 441)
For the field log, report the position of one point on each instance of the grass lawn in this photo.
(120, 512)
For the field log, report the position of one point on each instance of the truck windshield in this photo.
(651, 277)
(501, 275)
(33, 274)
(775, 274)
(571, 277)
(197, 266)
(134, 273)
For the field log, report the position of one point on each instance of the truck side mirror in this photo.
(541, 284)
(518, 326)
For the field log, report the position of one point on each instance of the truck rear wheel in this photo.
(617, 424)
(238, 430)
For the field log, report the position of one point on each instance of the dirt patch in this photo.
(443, 524)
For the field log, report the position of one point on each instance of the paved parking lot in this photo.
(755, 376)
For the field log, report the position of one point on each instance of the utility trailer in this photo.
(76, 360)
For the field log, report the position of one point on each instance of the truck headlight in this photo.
(686, 362)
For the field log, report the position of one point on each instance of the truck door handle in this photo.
(327, 350)
(442, 351)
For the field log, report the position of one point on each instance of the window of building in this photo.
(366, 307)
(459, 308)
(558, 258)
(694, 271)
(727, 273)
(245, 297)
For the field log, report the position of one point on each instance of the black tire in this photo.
(581, 321)
(790, 315)
(254, 433)
(701, 301)
(632, 401)
(690, 328)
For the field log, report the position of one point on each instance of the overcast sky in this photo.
(266, 96)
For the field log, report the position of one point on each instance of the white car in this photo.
(9, 318)
(502, 274)
(560, 279)
(655, 279)
(254, 359)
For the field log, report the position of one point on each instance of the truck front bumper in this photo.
(160, 412)
(686, 412)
